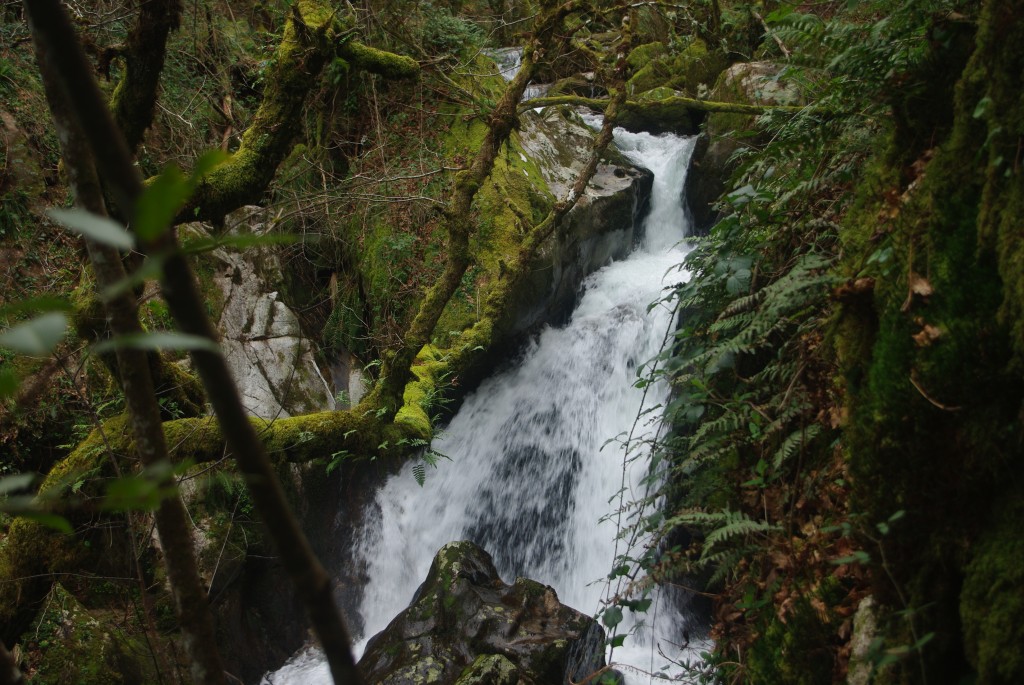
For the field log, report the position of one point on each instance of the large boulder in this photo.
(600, 228)
(264, 345)
(465, 625)
(755, 83)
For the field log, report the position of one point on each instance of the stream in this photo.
(536, 455)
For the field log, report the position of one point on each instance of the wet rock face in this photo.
(466, 626)
(600, 227)
(270, 358)
(755, 83)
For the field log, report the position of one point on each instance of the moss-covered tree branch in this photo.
(313, 34)
(665, 106)
(380, 62)
(458, 218)
(134, 98)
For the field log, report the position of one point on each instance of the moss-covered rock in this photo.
(992, 601)
(686, 70)
(491, 669)
(754, 83)
(71, 645)
(466, 626)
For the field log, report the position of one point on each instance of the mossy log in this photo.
(672, 113)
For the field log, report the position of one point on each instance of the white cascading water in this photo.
(531, 476)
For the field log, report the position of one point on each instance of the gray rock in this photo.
(865, 628)
(270, 358)
(756, 83)
(599, 228)
(465, 626)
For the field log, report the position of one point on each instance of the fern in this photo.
(736, 524)
(795, 441)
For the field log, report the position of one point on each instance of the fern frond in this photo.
(795, 441)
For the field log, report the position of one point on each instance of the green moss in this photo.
(387, 64)
(687, 69)
(490, 669)
(642, 55)
(992, 603)
(77, 647)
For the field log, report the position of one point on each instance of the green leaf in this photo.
(982, 107)
(49, 520)
(44, 303)
(36, 337)
(164, 197)
(18, 481)
(617, 640)
(151, 270)
(612, 617)
(9, 383)
(858, 557)
(620, 570)
(144, 491)
(209, 161)
(641, 605)
(158, 340)
(160, 203)
(97, 228)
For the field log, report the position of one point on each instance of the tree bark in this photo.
(134, 99)
(172, 522)
(113, 161)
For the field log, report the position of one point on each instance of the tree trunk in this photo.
(113, 160)
(172, 522)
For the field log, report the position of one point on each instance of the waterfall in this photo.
(508, 61)
(536, 453)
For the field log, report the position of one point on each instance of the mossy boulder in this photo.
(71, 645)
(754, 83)
(992, 601)
(687, 70)
(465, 625)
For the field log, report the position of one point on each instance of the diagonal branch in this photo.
(113, 160)
(458, 215)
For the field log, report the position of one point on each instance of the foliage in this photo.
(756, 409)
(442, 33)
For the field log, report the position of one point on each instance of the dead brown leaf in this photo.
(927, 335)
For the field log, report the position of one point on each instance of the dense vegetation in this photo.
(843, 461)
